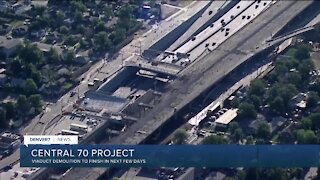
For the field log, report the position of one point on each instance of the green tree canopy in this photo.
(252, 174)
(10, 109)
(22, 103)
(277, 106)
(3, 118)
(313, 99)
(306, 137)
(264, 131)
(257, 87)
(247, 110)
(305, 123)
(53, 56)
(215, 139)
(30, 87)
(30, 53)
(180, 136)
(102, 41)
(302, 52)
(233, 126)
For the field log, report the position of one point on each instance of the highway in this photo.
(205, 17)
(201, 75)
(235, 19)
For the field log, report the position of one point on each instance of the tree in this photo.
(53, 56)
(69, 57)
(233, 126)
(30, 53)
(63, 30)
(315, 118)
(10, 109)
(78, 16)
(305, 67)
(305, 123)
(313, 99)
(78, 6)
(60, 16)
(118, 35)
(257, 87)
(277, 106)
(108, 12)
(238, 134)
(252, 174)
(22, 103)
(180, 136)
(15, 66)
(306, 137)
(318, 174)
(250, 140)
(264, 131)
(247, 110)
(35, 101)
(102, 41)
(294, 78)
(99, 26)
(302, 53)
(30, 87)
(276, 174)
(215, 139)
(3, 118)
(256, 101)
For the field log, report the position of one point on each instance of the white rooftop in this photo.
(227, 117)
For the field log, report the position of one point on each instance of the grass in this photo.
(67, 86)
(16, 23)
(275, 138)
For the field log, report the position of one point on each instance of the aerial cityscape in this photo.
(167, 72)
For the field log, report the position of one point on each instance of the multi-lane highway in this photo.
(201, 75)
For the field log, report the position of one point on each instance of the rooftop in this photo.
(9, 43)
(227, 117)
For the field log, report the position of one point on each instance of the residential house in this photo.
(277, 122)
(46, 47)
(5, 28)
(9, 142)
(20, 31)
(9, 46)
(17, 82)
(38, 34)
(3, 79)
(4, 6)
(299, 101)
(255, 124)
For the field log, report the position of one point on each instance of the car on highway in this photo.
(7, 168)
(73, 93)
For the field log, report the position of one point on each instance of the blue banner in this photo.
(170, 156)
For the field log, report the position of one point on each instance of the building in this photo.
(299, 101)
(277, 123)
(9, 142)
(8, 46)
(226, 118)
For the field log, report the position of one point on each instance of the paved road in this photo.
(204, 73)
